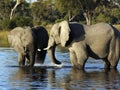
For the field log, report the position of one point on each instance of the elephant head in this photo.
(22, 40)
(59, 34)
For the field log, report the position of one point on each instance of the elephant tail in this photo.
(114, 50)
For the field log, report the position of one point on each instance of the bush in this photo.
(15, 22)
(20, 21)
(4, 24)
(45, 22)
(103, 18)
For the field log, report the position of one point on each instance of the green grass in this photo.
(3, 38)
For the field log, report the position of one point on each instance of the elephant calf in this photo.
(29, 43)
(99, 41)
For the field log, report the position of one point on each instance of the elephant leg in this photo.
(21, 59)
(40, 57)
(113, 63)
(73, 58)
(107, 63)
(81, 58)
(32, 58)
(114, 53)
(27, 61)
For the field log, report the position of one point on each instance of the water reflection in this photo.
(66, 79)
(93, 80)
(30, 78)
(48, 77)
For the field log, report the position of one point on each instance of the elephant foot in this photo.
(107, 66)
(57, 62)
(78, 66)
(58, 65)
(21, 63)
(113, 67)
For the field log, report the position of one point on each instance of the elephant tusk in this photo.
(47, 48)
(39, 50)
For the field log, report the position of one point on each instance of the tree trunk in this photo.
(88, 17)
(18, 2)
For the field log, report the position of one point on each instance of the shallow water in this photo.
(49, 77)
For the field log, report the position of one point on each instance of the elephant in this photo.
(29, 43)
(99, 41)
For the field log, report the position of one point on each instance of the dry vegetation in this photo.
(118, 27)
(3, 38)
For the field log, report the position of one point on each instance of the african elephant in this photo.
(29, 43)
(99, 41)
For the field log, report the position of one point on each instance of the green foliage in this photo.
(5, 9)
(103, 18)
(16, 21)
(43, 12)
(4, 24)
(59, 20)
(20, 21)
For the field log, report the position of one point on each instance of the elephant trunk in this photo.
(31, 55)
(51, 53)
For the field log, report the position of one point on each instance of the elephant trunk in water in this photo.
(51, 53)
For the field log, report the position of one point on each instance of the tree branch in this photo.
(18, 2)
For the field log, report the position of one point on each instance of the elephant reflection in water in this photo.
(92, 80)
(74, 79)
(28, 75)
(80, 79)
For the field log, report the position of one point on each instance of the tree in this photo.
(43, 12)
(75, 7)
(18, 2)
(71, 9)
(5, 6)
(88, 7)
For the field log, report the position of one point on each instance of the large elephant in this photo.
(29, 43)
(99, 41)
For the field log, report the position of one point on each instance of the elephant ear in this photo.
(64, 32)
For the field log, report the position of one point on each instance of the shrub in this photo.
(20, 21)
(4, 24)
(103, 18)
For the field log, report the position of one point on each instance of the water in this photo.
(49, 77)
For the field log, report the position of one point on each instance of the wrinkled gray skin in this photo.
(99, 41)
(29, 43)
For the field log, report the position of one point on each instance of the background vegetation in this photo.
(47, 12)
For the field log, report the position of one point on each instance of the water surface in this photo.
(49, 77)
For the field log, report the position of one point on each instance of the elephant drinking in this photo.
(29, 43)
